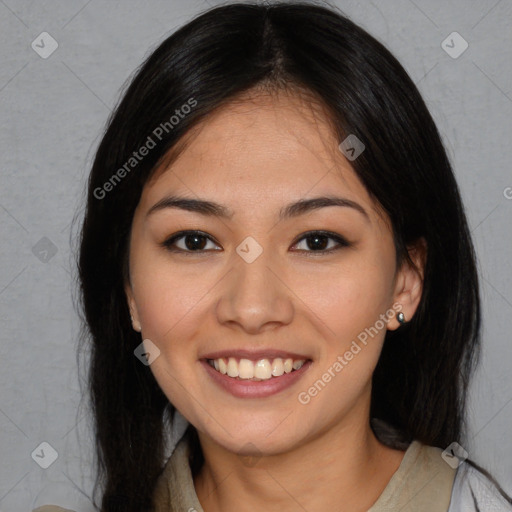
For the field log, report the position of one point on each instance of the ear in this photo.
(409, 283)
(133, 308)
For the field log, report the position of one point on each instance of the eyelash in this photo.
(168, 244)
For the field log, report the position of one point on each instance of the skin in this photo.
(255, 156)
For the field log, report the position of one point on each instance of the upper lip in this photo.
(254, 355)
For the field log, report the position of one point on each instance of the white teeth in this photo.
(232, 367)
(277, 367)
(223, 367)
(263, 369)
(297, 364)
(246, 369)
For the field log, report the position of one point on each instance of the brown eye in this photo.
(197, 242)
(187, 241)
(318, 241)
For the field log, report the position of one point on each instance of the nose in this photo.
(254, 296)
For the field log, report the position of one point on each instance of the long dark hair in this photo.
(421, 380)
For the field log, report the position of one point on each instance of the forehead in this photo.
(271, 147)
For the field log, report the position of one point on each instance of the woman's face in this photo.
(254, 290)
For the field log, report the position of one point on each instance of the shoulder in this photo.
(51, 508)
(473, 490)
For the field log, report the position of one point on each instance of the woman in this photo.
(275, 246)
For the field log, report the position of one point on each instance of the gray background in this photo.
(53, 111)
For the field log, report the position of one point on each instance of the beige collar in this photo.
(422, 483)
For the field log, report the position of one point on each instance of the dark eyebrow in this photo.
(201, 206)
(210, 208)
(306, 205)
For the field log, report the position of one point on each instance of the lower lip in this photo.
(255, 389)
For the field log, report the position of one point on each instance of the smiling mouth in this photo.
(257, 370)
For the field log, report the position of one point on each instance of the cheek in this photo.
(169, 304)
(345, 298)
(166, 292)
(163, 304)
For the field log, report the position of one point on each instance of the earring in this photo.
(137, 328)
(401, 318)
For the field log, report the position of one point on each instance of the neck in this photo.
(345, 468)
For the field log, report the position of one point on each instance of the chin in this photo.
(255, 442)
